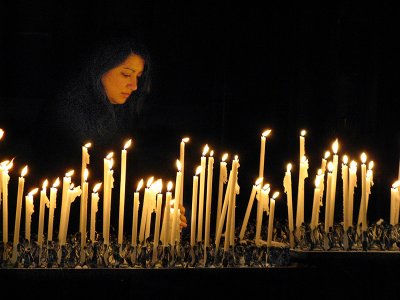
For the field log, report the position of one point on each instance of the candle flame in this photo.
(330, 166)
(4, 163)
(10, 164)
(178, 165)
(345, 159)
(266, 186)
(69, 174)
(303, 132)
(56, 183)
(71, 186)
(259, 180)
(236, 157)
(24, 171)
(224, 157)
(96, 187)
(327, 154)
(157, 186)
(1, 133)
(371, 165)
(85, 174)
(335, 146)
(169, 186)
(111, 163)
(87, 145)
(363, 157)
(109, 155)
(149, 181)
(288, 167)
(205, 149)
(303, 159)
(127, 144)
(353, 164)
(369, 173)
(212, 153)
(139, 186)
(34, 191)
(396, 184)
(185, 139)
(275, 195)
(317, 181)
(45, 183)
(266, 133)
(198, 170)
(319, 172)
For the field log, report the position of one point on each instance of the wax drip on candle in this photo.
(271, 220)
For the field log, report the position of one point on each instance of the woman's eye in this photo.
(126, 75)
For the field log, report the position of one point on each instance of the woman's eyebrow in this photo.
(129, 69)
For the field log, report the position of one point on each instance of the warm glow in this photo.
(111, 163)
(275, 195)
(24, 171)
(335, 146)
(96, 187)
(259, 180)
(185, 140)
(85, 174)
(330, 166)
(266, 186)
(303, 132)
(224, 157)
(369, 173)
(45, 183)
(178, 165)
(205, 149)
(33, 192)
(157, 186)
(150, 181)
(327, 154)
(236, 157)
(87, 145)
(353, 164)
(345, 159)
(363, 157)
(303, 159)
(71, 186)
(169, 186)
(288, 167)
(56, 183)
(319, 172)
(212, 153)
(139, 186)
(127, 144)
(266, 133)
(396, 184)
(317, 181)
(110, 155)
(1, 133)
(198, 170)
(370, 165)
(69, 174)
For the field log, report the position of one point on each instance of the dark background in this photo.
(224, 73)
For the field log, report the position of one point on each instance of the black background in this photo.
(224, 73)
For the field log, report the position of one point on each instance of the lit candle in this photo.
(209, 198)
(302, 144)
(93, 210)
(85, 162)
(232, 192)
(394, 203)
(175, 219)
(158, 221)
(147, 195)
(52, 205)
(135, 214)
(5, 178)
(182, 160)
(29, 209)
(21, 182)
(165, 230)
(328, 197)
(64, 205)
(345, 179)
(43, 201)
(369, 183)
(262, 153)
(303, 174)
(73, 192)
(262, 199)
(323, 170)
(83, 211)
(256, 187)
(316, 202)
(271, 219)
(223, 179)
(352, 185)
(287, 185)
(108, 186)
(201, 195)
(335, 147)
(151, 207)
(223, 213)
(122, 193)
(194, 206)
(363, 203)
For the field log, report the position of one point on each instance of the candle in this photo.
(302, 144)
(147, 195)
(335, 147)
(328, 197)
(64, 204)
(43, 201)
(210, 167)
(52, 206)
(21, 182)
(83, 211)
(262, 152)
(136, 203)
(369, 183)
(201, 194)
(394, 203)
(182, 160)
(165, 230)
(363, 203)
(175, 219)
(262, 199)
(72, 193)
(232, 191)
(300, 194)
(85, 162)
(158, 221)
(316, 202)
(122, 193)
(93, 210)
(5, 178)
(29, 209)
(194, 206)
(271, 219)
(223, 178)
(223, 213)
(151, 206)
(287, 185)
(108, 186)
(352, 185)
(345, 179)
(323, 170)
(254, 190)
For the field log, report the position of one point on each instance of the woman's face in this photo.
(122, 80)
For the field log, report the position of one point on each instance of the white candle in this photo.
(223, 179)
(122, 193)
(262, 199)
(369, 183)
(345, 180)
(232, 191)
(85, 162)
(151, 207)
(21, 182)
(194, 206)
(209, 198)
(363, 203)
(352, 185)
(262, 153)
(328, 197)
(73, 192)
(29, 209)
(256, 187)
(182, 160)
(302, 144)
(64, 205)
(93, 210)
(175, 219)
(147, 195)
(165, 231)
(394, 203)
(271, 219)
(5, 178)
(287, 185)
(157, 224)
(223, 213)
(201, 195)
(135, 213)
(52, 205)
(108, 186)
(303, 174)
(83, 211)
(43, 201)
(316, 202)
(323, 171)
(335, 147)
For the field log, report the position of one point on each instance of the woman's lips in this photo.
(126, 95)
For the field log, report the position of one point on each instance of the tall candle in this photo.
(182, 160)
(263, 198)
(135, 213)
(29, 209)
(194, 206)
(165, 230)
(223, 179)
(352, 185)
(345, 180)
(21, 182)
(363, 204)
(157, 225)
(335, 147)
(5, 178)
(256, 188)
(73, 192)
(323, 171)
(287, 185)
(109, 183)
(52, 205)
(93, 210)
(232, 191)
(328, 197)
(302, 144)
(122, 193)
(151, 207)
(201, 194)
(83, 211)
(85, 162)
(262, 153)
(210, 167)
(271, 219)
(315, 209)
(43, 201)
(394, 203)
(147, 195)
(303, 174)
(223, 213)
(175, 219)
(64, 205)
(369, 184)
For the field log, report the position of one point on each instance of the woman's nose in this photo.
(133, 84)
